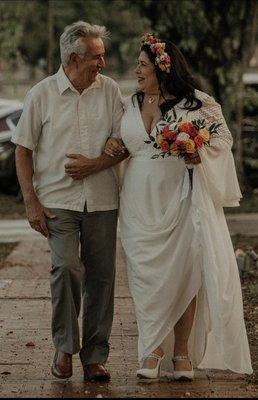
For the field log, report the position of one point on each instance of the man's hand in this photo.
(80, 166)
(192, 158)
(37, 214)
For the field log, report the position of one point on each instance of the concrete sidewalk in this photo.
(26, 348)
(19, 229)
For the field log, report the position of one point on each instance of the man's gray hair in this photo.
(70, 40)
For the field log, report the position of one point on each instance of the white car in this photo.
(10, 112)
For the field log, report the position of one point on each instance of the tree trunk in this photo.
(248, 48)
(238, 135)
(51, 39)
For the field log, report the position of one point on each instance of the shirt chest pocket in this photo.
(100, 122)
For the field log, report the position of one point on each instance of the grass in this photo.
(5, 250)
(10, 208)
(245, 242)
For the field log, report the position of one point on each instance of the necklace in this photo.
(153, 98)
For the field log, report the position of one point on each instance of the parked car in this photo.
(10, 112)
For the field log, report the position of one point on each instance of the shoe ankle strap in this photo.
(153, 355)
(180, 358)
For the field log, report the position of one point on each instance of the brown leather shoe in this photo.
(96, 372)
(62, 367)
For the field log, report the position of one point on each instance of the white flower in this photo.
(183, 136)
(172, 127)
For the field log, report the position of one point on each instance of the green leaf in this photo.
(152, 138)
(147, 141)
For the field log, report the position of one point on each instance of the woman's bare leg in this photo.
(182, 332)
(152, 362)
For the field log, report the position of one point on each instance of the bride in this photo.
(182, 271)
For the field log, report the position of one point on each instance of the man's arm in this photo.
(80, 166)
(36, 213)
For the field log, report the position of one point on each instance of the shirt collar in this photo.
(64, 83)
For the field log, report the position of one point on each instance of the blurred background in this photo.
(219, 39)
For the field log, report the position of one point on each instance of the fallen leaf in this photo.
(30, 344)
(252, 388)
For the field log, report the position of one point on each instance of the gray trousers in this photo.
(89, 277)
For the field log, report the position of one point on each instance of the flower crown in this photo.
(162, 59)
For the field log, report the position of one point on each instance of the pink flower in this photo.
(152, 47)
(165, 146)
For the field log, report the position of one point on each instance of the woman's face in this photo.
(145, 71)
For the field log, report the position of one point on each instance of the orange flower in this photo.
(174, 150)
(169, 135)
(159, 139)
(190, 146)
(185, 127)
(205, 134)
(162, 67)
(198, 140)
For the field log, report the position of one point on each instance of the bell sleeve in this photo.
(217, 168)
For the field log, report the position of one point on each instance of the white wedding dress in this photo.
(178, 246)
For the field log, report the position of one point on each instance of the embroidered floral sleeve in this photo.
(212, 113)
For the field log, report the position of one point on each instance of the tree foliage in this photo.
(25, 28)
(217, 37)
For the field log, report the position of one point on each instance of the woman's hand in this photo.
(114, 147)
(192, 158)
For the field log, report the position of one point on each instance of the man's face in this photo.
(93, 61)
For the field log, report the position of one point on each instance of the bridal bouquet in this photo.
(179, 138)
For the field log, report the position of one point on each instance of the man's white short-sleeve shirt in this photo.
(56, 121)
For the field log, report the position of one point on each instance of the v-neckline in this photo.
(155, 126)
(141, 119)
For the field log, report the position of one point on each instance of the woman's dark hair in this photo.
(179, 82)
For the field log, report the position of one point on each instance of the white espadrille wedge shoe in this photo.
(183, 375)
(151, 373)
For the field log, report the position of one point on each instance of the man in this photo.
(71, 194)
